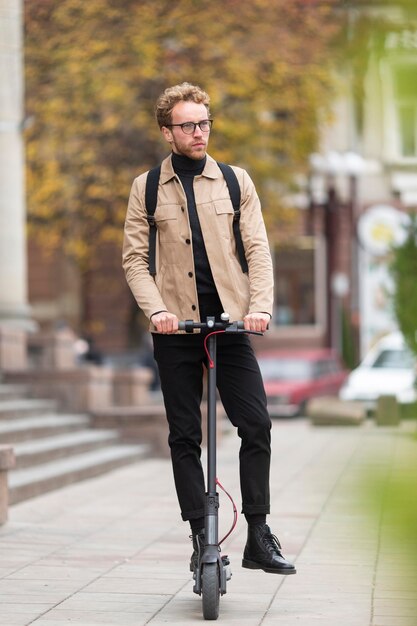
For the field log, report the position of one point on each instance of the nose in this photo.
(197, 131)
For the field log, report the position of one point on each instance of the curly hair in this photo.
(186, 92)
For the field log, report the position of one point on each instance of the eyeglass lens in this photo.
(189, 127)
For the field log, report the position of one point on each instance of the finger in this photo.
(247, 323)
(264, 324)
(165, 325)
(170, 327)
(172, 324)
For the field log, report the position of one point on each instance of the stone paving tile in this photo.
(189, 612)
(19, 619)
(58, 617)
(9, 608)
(397, 583)
(120, 554)
(30, 599)
(8, 570)
(395, 610)
(243, 602)
(136, 603)
(306, 611)
(94, 600)
(60, 588)
(42, 572)
(134, 585)
(389, 620)
(394, 595)
(284, 619)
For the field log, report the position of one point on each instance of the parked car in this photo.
(292, 377)
(389, 368)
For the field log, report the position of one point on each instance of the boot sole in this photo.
(252, 565)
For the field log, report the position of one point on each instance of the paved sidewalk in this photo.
(113, 550)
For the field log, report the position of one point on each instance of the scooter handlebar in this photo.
(229, 327)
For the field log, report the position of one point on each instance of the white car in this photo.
(389, 368)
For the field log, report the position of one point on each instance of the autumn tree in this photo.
(94, 70)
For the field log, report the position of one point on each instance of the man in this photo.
(198, 275)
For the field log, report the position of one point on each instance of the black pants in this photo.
(181, 359)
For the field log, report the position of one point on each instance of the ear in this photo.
(166, 133)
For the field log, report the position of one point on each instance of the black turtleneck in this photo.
(186, 169)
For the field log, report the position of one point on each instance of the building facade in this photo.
(331, 278)
(362, 186)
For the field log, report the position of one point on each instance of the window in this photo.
(295, 285)
(394, 359)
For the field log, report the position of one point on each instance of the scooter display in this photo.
(213, 570)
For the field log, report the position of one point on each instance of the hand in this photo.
(257, 321)
(165, 322)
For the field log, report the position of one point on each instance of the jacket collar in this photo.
(211, 169)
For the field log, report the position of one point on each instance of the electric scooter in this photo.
(213, 570)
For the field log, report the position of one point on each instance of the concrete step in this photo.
(27, 483)
(12, 392)
(21, 407)
(35, 452)
(28, 428)
(331, 411)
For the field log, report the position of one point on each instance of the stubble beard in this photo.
(191, 153)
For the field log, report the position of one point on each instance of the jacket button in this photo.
(194, 308)
(182, 209)
(188, 241)
(190, 274)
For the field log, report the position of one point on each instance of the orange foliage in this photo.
(94, 70)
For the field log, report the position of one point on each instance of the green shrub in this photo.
(403, 269)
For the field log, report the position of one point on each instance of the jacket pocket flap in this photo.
(223, 206)
(166, 212)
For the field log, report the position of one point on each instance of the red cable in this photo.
(210, 360)
(234, 511)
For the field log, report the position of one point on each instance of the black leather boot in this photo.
(198, 540)
(263, 551)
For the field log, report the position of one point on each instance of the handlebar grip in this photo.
(188, 325)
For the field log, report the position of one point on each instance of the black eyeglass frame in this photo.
(195, 124)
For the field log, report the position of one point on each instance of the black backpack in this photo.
(151, 197)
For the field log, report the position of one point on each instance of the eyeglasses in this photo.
(189, 127)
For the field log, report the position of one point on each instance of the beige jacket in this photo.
(174, 288)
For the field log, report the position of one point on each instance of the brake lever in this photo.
(234, 330)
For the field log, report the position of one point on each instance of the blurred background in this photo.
(317, 99)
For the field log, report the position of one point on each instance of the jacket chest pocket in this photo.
(167, 223)
(224, 217)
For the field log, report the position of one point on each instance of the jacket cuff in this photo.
(156, 313)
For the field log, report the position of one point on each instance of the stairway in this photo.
(55, 449)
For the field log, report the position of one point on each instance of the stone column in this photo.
(14, 309)
(7, 462)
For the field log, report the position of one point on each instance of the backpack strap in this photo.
(235, 196)
(151, 198)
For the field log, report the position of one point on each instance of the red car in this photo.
(292, 377)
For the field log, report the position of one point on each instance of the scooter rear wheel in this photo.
(210, 589)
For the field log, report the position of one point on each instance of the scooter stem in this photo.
(212, 498)
(211, 418)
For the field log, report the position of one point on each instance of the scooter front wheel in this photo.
(210, 589)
